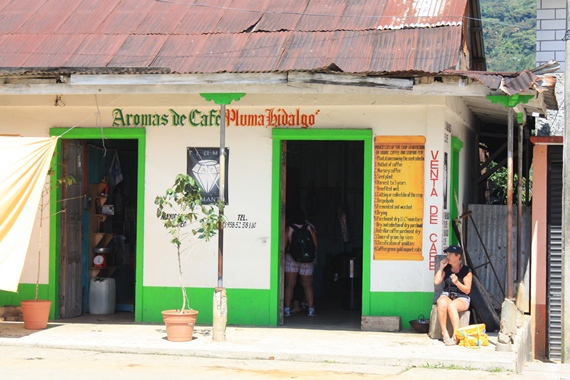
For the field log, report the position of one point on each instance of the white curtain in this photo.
(24, 164)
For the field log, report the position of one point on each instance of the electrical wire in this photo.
(88, 117)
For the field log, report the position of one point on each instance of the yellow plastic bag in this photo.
(472, 336)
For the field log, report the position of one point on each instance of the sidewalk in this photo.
(403, 349)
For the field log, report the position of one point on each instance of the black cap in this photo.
(454, 249)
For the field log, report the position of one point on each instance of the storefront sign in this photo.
(434, 210)
(398, 197)
(270, 118)
(204, 165)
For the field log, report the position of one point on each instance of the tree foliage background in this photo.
(509, 32)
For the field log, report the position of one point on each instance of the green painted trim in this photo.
(322, 134)
(275, 222)
(456, 146)
(222, 97)
(245, 306)
(138, 134)
(456, 143)
(367, 220)
(280, 135)
(406, 305)
(54, 233)
(509, 100)
(24, 292)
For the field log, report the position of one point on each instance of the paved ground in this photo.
(396, 353)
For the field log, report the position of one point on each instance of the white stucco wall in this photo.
(247, 251)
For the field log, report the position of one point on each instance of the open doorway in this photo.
(326, 179)
(97, 252)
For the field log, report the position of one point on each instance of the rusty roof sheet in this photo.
(138, 51)
(86, 18)
(47, 17)
(96, 51)
(56, 53)
(14, 14)
(421, 14)
(282, 15)
(208, 36)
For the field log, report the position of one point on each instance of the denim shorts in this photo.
(454, 296)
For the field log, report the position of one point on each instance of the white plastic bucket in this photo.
(102, 294)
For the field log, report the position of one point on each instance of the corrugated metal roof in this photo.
(14, 14)
(125, 17)
(282, 15)
(49, 16)
(419, 14)
(208, 36)
(96, 51)
(138, 51)
(56, 53)
(87, 17)
(21, 48)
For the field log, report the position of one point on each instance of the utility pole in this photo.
(509, 311)
(566, 201)
(220, 313)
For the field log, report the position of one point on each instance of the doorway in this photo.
(98, 238)
(326, 178)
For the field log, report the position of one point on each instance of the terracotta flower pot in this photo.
(35, 314)
(179, 327)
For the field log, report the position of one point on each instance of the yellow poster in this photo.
(398, 197)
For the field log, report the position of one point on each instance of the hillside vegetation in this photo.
(509, 32)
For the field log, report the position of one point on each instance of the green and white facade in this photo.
(164, 120)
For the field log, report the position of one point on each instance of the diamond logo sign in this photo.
(203, 164)
(207, 172)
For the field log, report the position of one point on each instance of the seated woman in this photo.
(456, 279)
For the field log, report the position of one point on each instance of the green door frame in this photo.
(456, 146)
(138, 134)
(280, 135)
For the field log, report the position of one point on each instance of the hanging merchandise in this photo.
(343, 226)
(115, 172)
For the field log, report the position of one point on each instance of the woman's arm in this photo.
(465, 287)
(440, 274)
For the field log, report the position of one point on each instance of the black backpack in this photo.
(302, 247)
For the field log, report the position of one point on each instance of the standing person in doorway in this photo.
(294, 265)
(455, 298)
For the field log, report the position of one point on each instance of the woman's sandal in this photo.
(449, 341)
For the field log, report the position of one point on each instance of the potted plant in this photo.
(181, 212)
(35, 313)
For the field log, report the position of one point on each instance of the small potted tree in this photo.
(35, 313)
(181, 212)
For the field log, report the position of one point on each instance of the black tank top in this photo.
(449, 286)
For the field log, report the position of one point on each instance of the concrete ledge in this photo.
(435, 328)
(11, 313)
(522, 344)
(383, 324)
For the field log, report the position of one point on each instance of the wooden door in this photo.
(70, 289)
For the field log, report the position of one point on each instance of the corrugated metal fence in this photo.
(490, 221)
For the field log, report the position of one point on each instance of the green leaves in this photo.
(181, 206)
(509, 30)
